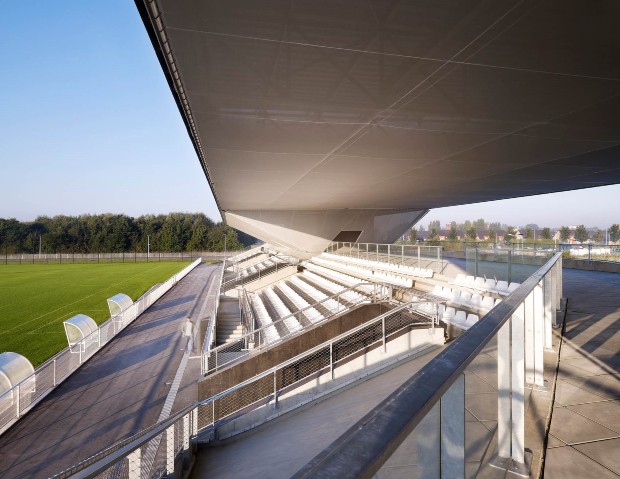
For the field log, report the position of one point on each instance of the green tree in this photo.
(471, 233)
(511, 233)
(529, 233)
(614, 233)
(598, 236)
(434, 224)
(479, 224)
(545, 233)
(433, 238)
(453, 233)
(492, 236)
(564, 233)
(581, 233)
(413, 236)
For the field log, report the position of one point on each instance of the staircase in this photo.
(229, 327)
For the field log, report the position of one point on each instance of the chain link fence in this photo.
(127, 257)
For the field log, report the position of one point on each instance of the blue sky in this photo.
(89, 126)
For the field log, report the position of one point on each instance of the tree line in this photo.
(469, 231)
(117, 233)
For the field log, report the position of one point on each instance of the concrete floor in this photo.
(118, 392)
(584, 439)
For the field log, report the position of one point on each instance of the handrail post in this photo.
(275, 390)
(383, 331)
(18, 401)
(331, 360)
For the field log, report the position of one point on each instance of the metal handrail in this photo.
(373, 297)
(350, 456)
(101, 461)
(233, 281)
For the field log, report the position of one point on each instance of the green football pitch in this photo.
(36, 298)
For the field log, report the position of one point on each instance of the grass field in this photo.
(36, 299)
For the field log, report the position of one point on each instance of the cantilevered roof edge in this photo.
(147, 20)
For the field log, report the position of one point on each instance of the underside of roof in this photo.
(324, 105)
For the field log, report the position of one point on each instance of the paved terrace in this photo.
(118, 392)
(585, 427)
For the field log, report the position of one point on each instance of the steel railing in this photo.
(258, 338)
(175, 435)
(17, 401)
(239, 280)
(210, 333)
(430, 257)
(428, 410)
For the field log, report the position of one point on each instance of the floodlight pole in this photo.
(148, 246)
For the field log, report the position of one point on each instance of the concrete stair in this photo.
(229, 327)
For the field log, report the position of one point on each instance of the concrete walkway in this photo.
(118, 392)
(584, 439)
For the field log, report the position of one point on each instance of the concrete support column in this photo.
(453, 431)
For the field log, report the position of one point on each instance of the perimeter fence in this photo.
(126, 257)
(18, 400)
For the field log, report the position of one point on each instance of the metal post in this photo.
(195, 421)
(549, 310)
(275, 390)
(54, 383)
(529, 339)
(186, 432)
(418, 256)
(509, 266)
(476, 261)
(383, 331)
(453, 430)
(18, 399)
(331, 360)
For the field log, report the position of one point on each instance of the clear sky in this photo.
(88, 125)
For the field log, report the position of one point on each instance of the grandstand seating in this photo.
(464, 298)
(344, 279)
(373, 265)
(270, 333)
(300, 303)
(487, 285)
(332, 305)
(291, 323)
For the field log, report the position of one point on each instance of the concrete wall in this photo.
(584, 264)
(405, 346)
(267, 358)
